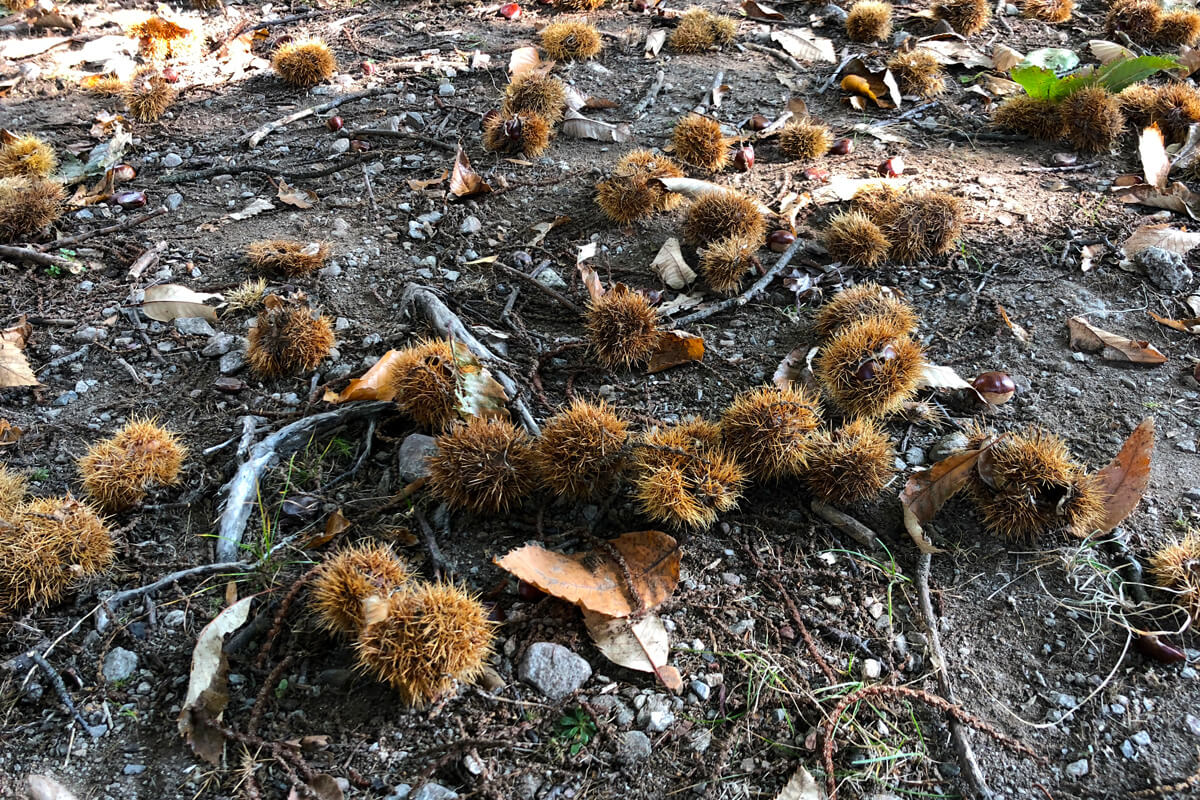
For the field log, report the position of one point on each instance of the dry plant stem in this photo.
(808, 640)
(710, 96)
(543, 288)
(846, 524)
(290, 174)
(744, 298)
(60, 688)
(280, 615)
(109, 605)
(260, 702)
(255, 137)
(132, 222)
(784, 57)
(34, 257)
(958, 732)
(416, 137)
(440, 564)
(447, 323)
(1072, 168)
(242, 490)
(648, 100)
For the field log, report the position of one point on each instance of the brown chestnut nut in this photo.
(368, 68)
(170, 75)
(867, 371)
(842, 147)
(757, 122)
(780, 240)
(130, 199)
(996, 388)
(335, 123)
(123, 172)
(892, 168)
(743, 158)
(359, 146)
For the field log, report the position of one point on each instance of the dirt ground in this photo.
(1029, 631)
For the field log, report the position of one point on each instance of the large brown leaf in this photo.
(928, 490)
(14, 367)
(208, 687)
(1127, 475)
(375, 383)
(674, 348)
(595, 581)
(464, 181)
(1111, 346)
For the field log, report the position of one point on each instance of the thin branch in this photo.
(61, 690)
(846, 524)
(659, 80)
(120, 226)
(543, 288)
(34, 257)
(109, 605)
(255, 137)
(744, 298)
(384, 133)
(290, 173)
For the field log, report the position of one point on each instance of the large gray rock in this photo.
(119, 664)
(632, 747)
(553, 669)
(413, 458)
(1165, 269)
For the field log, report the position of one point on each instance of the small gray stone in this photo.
(655, 715)
(1064, 700)
(446, 90)
(1141, 739)
(174, 201)
(414, 452)
(621, 713)
(219, 344)
(470, 225)
(1077, 769)
(549, 277)
(134, 769)
(632, 747)
(90, 334)
(339, 146)
(871, 669)
(232, 361)
(948, 445)
(1165, 269)
(731, 579)
(701, 689)
(553, 670)
(66, 398)
(433, 791)
(528, 785)
(697, 739)
(914, 456)
(119, 664)
(400, 792)
(1193, 724)
(171, 160)
(174, 618)
(194, 326)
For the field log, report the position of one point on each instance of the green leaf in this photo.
(1117, 75)
(1038, 82)
(1058, 59)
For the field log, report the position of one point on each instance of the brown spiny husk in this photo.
(13, 486)
(1176, 107)
(424, 380)
(699, 30)
(349, 577)
(103, 85)
(567, 41)
(1138, 103)
(1179, 27)
(850, 464)
(1176, 567)
(768, 429)
(484, 465)
(27, 205)
(868, 370)
(1052, 11)
(527, 134)
(247, 296)
(632, 192)
(805, 141)
(305, 63)
(967, 17)
(582, 450)
(853, 305)
(1027, 484)
(879, 201)
(698, 141)
(869, 21)
(26, 156)
(622, 327)
(1140, 19)
(49, 545)
(725, 262)
(721, 215)
(287, 257)
(118, 471)
(288, 339)
(1035, 117)
(918, 72)
(684, 477)
(578, 5)
(534, 93)
(1092, 119)
(148, 95)
(161, 39)
(425, 639)
(854, 239)
(925, 224)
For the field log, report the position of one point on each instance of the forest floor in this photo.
(1032, 633)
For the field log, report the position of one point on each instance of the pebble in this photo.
(698, 739)
(339, 146)
(1128, 750)
(1141, 739)
(1077, 769)
(218, 345)
(66, 398)
(1165, 269)
(174, 201)
(553, 670)
(412, 459)
(134, 769)
(174, 618)
(622, 714)
(446, 90)
(119, 664)
(731, 579)
(632, 747)
(232, 361)
(1193, 724)
(433, 791)
(701, 689)
(194, 326)
(470, 225)
(655, 715)
(90, 334)
(871, 669)
(947, 445)
(172, 160)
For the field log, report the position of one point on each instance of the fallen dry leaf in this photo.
(167, 301)
(43, 787)
(335, 524)
(674, 348)
(1019, 332)
(542, 228)
(1090, 339)
(255, 207)
(592, 580)
(374, 384)
(591, 278)
(208, 690)
(680, 302)
(1187, 325)
(694, 188)
(295, 196)
(1155, 164)
(671, 267)
(879, 85)
(1164, 236)
(522, 60)
(788, 371)
(928, 490)
(1088, 255)
(578, 126)
(804, 45)
(953, 51)
(802, 786)
(643, 645)
(654, 41)
(420, 186)
(9, 433)
(1107, 52)
(14, 367)
(754, 10)
(1005, 58)
(323, 786)
(937, 377)
(1126, 477)
(477, 393)
(464, 181)
(1175, 197)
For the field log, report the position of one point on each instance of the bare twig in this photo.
(125, 224)
(440, 564)
(287, 172)
(35, 257)
(652, 93)
(779, 54)
(109, 605)
(383, 133)
(61, 690)
(741, 300)
(255, 137)
(543, 288)
(846, 524)
(833, 76)
(1072, 168)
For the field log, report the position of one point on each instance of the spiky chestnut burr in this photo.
(304, 63)
(148, 95)
(918, 72)
(13, 486)
(28, 205)
(869, 21)
(484, 465)
(582, 450)
(683, 477)
(118, 471)
(25, 156)
(533, 92)
(854, 239)
(967, 17)
(698, 141)
(700, 30)
(925, 224)
(161, 39)
(868, 370)
(725, 262)
(622, 328)
(1092, 119)
(1054, 12)
(287, 339)
(1176, 567)
(527, 134)
(287, 257)
(723, 215)
(632, 192)
(850, 464)
(571, 41)
(349, 577)
(805, 141)
(768, 429)
(424, 382)
(866, 300)
(1035, 117)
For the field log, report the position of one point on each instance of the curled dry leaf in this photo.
(1088, 255)
(1126, 477)
(522, 60)
(1090, 339)
(1187, 325)
(9, 433)
(1164, 236)
(464, 181)
(928, 490)
(878, 85)
(1155, 164)
(14, 367)
(674, 348)
(587, 273)
(255, 207)
(373, 385)
(953, 52)
(594, 581)
(937, 377)
(654, 41)
(643, 645)
(790, 369)
(295, 196)
(1106, 52)
(694, 188)
(754, 10)
(208, 690)
(43, 787)
(1005, 58)
(168, 301)
(578, 126)
(335, 523)
(804, 45)
(323, 786)
(802, 786)
(1019, 332)
(680, 302)
(421, 186)
(542, 228)
(478, 394)
(671, 267)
